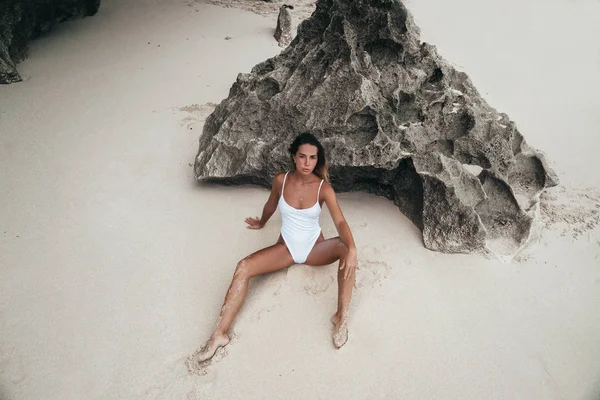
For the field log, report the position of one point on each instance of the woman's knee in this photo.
(242, 270)
(342, 250)
(245, 269)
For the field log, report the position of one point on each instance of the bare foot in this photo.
(340, 329)
(215, 342)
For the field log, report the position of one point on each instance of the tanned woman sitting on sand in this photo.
(299, 195)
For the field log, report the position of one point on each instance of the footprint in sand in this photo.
(317, 286)
(371, 270)
(199, 393)
(196, 368)
(572, 211)
(370, 273)
(197, 113)
(262, 311)
(11, 366)
(14, 372)
(5, 357)
(314, 280)
(265, 290)
(523, 258)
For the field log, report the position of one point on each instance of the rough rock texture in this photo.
(396, 120)
(283, 32)
(22, 20)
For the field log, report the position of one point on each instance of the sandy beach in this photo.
(114, 261)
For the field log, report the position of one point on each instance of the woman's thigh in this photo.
(269, 259)
(326, 252)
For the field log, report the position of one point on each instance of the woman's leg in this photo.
(323, 253)
(269, 259)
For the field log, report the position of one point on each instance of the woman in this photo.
(299, 195)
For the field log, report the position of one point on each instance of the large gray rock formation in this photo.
(395, 118)
(22, 20)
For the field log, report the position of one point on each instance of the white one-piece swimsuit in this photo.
(300, 228)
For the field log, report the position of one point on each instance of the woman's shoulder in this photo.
(278, 179)
(326, 188)
(279, 176)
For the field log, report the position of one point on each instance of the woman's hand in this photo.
(349, 263)
(253, 223)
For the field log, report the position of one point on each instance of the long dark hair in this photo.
(322, 168)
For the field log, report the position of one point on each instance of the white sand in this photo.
(114, 263)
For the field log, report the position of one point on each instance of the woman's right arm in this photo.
(270, 205)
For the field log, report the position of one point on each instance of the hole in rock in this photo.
(436, 76)
(407, 109)
(361, 128)
(264, 67)
(266, 89)
(384, 51)
(460, 126)
(446, 147)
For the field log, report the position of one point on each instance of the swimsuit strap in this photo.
(283, 186)
(319, 192)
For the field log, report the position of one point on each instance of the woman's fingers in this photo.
(350, 270)
(253, 223)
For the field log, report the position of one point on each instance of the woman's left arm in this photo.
(343, 229)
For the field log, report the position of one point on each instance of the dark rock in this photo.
(283, 32)
(22, 20)
(395, 118)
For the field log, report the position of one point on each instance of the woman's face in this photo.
(306, 159)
